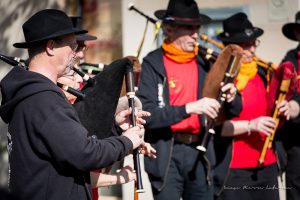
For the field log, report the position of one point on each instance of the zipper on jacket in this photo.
(168, 166)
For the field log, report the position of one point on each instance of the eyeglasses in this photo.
(254, 43)
(82, 48)
(73, 45)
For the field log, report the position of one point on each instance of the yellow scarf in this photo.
(178, 55)
(247, 72)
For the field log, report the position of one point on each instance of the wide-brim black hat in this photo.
(288, 29)
(238, 29)
(182, 12)
(77, 23)
(46, 24)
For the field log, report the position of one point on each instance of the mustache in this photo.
(73, 62)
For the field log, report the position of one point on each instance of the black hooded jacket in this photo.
(49, 150)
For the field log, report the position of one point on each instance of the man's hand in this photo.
(135, 135)
(147, 150)
(205, 105)
(288, 109)
(230, 91)
(123, 120)
(263, 124)
(123, 104)
(126, 174)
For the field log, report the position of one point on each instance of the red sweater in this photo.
(247, 148)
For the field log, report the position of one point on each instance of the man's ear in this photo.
(50, 47)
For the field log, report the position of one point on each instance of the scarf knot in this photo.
(178, 55)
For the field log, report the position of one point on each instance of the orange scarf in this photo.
(247, 72)
(178, 55)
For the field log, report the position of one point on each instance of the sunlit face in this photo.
(72, 79)
(249, 49)
(183, 37)
(66, 53)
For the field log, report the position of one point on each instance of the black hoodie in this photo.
(49, 150)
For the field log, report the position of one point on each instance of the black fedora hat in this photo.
(46, 24)
(237, 29)
(77, 23)
(182, 12)
(288, 29)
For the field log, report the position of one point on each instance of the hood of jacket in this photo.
(20, 84)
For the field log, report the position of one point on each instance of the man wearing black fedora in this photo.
(289, 132)
(170, 89)
(95, 102)
(50, 155)
(238, 173)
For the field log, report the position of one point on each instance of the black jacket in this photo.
(289, 132)
(154, 94)
(49, 150)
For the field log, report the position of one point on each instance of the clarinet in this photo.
(130, 93)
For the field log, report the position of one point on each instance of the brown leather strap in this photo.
(186, 138)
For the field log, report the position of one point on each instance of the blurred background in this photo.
(120, 32)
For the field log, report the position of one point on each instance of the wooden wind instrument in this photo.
(288, 84)
(225, 69)
(263, 63)
(208, 53)
(15, 61)
(130, 93)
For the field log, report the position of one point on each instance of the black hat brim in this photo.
(240, 38)
(85, 37)
(288, 30)
(203, 19)
(51, 36)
